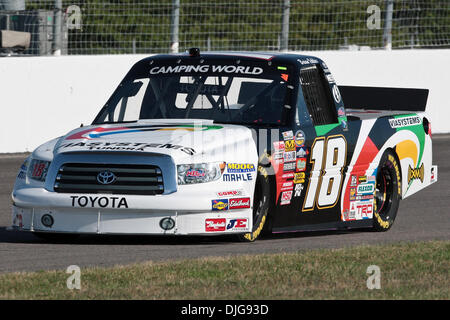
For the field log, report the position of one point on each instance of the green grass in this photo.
(408, 271)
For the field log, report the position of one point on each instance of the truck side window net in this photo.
(317, 96)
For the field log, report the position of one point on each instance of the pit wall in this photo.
(44, 97)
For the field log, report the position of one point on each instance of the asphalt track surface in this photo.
(423, 216)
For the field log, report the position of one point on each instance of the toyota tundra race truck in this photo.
(230, 143)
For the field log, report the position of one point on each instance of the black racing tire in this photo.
(56, 237)
(262, 203)
(387, 192)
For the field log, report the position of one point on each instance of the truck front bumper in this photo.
(38, 210)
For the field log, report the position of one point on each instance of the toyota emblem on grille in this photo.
(106, 177)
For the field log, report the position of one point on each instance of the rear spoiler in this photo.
(382, 98)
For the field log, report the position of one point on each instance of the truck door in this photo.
(322, 160)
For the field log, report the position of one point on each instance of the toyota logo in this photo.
(106, 177)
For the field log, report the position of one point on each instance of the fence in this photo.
(138, 26)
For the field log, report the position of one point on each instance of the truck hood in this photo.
(185, 141)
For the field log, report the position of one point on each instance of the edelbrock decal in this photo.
(239, 203)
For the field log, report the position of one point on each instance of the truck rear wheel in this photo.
(387, 192)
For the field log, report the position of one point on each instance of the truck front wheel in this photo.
(261, 206)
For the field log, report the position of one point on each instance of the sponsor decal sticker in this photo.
(362, 179)
(299, 177)
(341, 112)
(434, 173)
(366, 188)
(286, 197)
(222, 224)
(195, 173)
(287, 186)
(236, 177)
(289, 145)
(219, 205)
(237, 224)
(300, 138)
(298, 190)
(308, 61)
(239, 203)
(204, 68)
(353, 181)
(126, 146)
(415, 174)
(289, 166)
(290, 156)
(361, 209)
(301, 164)
(215, 225)
(289, 175)
(230, 193)
(240, 167)
(405, 122)
(301, 153)
(346, 216)
(352, 194)
(288, 135)
(278, 156)
(278, 145)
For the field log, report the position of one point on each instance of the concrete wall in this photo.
(44, 97)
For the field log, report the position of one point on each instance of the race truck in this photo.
(230, 143)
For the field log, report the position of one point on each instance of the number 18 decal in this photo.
(328, 156)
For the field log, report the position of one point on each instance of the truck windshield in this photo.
(240, 98)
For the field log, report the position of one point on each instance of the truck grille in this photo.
(109, 178)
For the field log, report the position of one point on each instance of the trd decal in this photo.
(328, 158)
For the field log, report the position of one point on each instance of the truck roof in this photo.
(280, 56)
